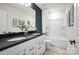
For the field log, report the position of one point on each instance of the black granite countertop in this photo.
(5, 44)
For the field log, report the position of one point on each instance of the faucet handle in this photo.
(72, 42)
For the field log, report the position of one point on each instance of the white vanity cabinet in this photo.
(40, 44)
(34, 46)
(15, 50)
(30, 50)
(22, 52)
(19, 49)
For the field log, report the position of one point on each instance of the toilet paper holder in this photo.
(72, 42)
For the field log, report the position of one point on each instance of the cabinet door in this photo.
(43, 45)
(30, 50)
(40, 45)
(23, 52)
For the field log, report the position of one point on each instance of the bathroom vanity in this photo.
(18, 18)
(31, 45)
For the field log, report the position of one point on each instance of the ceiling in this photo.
(21, 7)
(57, 6)
(43, 6)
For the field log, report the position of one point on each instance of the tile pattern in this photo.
(72, 50)
(55, 51)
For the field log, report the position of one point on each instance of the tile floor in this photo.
(55, 51)
(71, 50)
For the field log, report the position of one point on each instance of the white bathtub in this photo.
(58, 42)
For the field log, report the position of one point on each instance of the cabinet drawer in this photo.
(30, 50)
(23, 52)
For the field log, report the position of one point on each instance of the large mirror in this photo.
(16, 17)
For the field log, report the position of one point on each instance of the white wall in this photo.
(53, 21)
(2, 21)
(71, 31)
(14, 12)
(77, 25)
(54, 26)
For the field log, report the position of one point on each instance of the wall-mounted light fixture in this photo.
(53, 10)
(54, 15)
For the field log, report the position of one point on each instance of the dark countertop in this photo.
(4, 44)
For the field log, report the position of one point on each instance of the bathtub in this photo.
(58, 41)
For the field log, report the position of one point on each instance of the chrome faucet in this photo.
(72, 42)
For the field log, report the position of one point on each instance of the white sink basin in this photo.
(16, 39)
(36, 34)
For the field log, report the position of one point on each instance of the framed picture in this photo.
(20, 23)
(68, 19)
(15, 23)
(71, 17)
